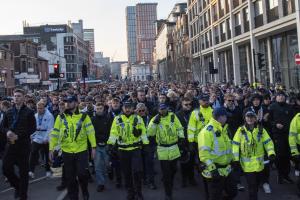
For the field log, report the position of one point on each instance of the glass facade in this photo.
(284, 48)
(243, 63)
(131, 34)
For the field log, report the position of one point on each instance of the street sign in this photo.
(297, 59)
(62, 75)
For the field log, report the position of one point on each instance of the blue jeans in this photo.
(101, 163)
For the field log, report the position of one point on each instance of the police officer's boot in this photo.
(138, 186)
(130, 194)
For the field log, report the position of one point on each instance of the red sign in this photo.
(297, 59)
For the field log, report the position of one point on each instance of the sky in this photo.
(107, 17)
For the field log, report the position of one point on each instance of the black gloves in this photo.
(181, 144)
(112, 151)
(215, 174)
(272, 158)
(192, 147)
(137, 132)
(235, 165)
(296, 159)
(157, 119)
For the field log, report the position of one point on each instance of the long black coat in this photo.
(281, 114)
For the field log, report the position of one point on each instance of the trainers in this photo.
(240, 187)
(152, 186)
(288, 180)
(48, 174)
(267, 189)
(31, 175)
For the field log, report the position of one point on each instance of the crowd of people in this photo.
(118, 130)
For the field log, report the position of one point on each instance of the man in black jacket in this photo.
(187, 168)
(19, 124)
(102, 123)
(281, 116)
(235, 117)
(115, 161)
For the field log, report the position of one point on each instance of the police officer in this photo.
(168, 131)
(128, 132)
(198, 119)
(71, 131)
(18, 124)
(249, 145)
(216, 154)
(294, 142)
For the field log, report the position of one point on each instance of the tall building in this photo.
(131, 34)
(233, 35)
(89, 36)
(146, 16)
(172, 43)
(76, 52)
(78, 28)
(7, 75)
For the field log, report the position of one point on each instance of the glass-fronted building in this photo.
(229, 35)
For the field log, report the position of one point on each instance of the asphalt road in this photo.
(44, 189)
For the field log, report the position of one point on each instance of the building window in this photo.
(216, 34)
(221, 8)
(228, 24)
(246, 19)
(272, 10)
(237, 19)
(223, 31)
(236, 3)
(258, 8)
(288, 7)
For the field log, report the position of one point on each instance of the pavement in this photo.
(43, 188)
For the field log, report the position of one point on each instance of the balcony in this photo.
(259, 20)
(272, 14)
(238, 30)
(288, 7)
(246, 26)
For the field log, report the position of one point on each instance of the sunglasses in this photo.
(187, 104)
(141, 111)
(230, 100)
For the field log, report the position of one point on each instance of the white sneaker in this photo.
(267, 188)
(240, 187)
(48, 174)
(31, 175)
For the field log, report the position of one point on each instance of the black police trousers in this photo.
(187, 169)
(253, 181)
(217, 186)
(75, 167)
(169, 168)
(132, 167)
(16, 155)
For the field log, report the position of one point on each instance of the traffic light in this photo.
(261, 60)
(84, 73)
(211, 67)
(56, 71)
